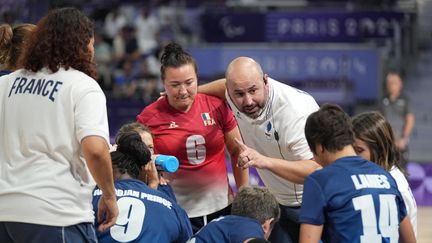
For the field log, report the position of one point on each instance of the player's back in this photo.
(145, 215)
(230, 229)
(360, 201)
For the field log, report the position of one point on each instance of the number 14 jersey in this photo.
(356, 200)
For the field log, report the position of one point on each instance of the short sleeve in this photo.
(91, 115)
(226, 117)
(185, 225)
(312, 209)
(402, 208)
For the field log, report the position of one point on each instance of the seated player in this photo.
(149, 174)
(351, 199)
(254, 212)
(145, 214)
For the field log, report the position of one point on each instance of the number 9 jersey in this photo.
(145, 215)
(355, 200)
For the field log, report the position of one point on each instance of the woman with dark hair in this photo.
(194, 128)
(149, 174)
(146, 215)
(350, 199)
(374, 141)
(11, 42)
(54, 142)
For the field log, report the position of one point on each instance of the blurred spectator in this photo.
(146, 84)
(114, 22)
(397, 110)
(125, 45)
(123, 81)
(103, 60)
(150, 91)
(147, 28)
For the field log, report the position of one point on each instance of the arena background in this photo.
(338, 51)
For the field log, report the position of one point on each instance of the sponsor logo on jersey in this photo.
(207, 119)
(173, 125)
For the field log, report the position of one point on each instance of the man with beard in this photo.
(271, 117)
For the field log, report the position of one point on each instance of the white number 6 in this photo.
(195, 149)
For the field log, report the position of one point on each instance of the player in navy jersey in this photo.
(145, 214)
(351, 199)
(254, 212)
(149, 174)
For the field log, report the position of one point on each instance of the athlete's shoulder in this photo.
(153, 110)
(209, 100)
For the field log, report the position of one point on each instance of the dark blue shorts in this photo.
(15, 232)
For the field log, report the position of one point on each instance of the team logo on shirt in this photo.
(173, 125)
(268, 130)
(207, 119)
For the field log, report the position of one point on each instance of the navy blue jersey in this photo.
(145, 215)
(356, 201)
(230, 229)
(167, 189)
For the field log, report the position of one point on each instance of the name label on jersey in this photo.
(137, 194)
(46, 88)
(370, 181)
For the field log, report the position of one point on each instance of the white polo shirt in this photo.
(44, 116)
(286, 112)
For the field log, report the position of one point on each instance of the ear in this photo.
(319, 149)
(265, 78)
(267, 227)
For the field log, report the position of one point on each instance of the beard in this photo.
(253, 112)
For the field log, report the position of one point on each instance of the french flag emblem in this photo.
(207, 119)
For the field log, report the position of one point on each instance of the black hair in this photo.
(174, 56)
(131, 154)
(331, 127)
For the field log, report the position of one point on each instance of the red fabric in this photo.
(173, 130)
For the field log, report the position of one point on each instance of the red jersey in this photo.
(196, 138)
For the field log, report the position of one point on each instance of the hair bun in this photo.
(172, 51)
(130, 144)
(173, 48)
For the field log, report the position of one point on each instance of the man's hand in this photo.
(249, 157)
(107, 212)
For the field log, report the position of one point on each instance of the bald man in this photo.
(271, 117)
(396, 109)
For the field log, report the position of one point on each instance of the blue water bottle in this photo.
(167, 163)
